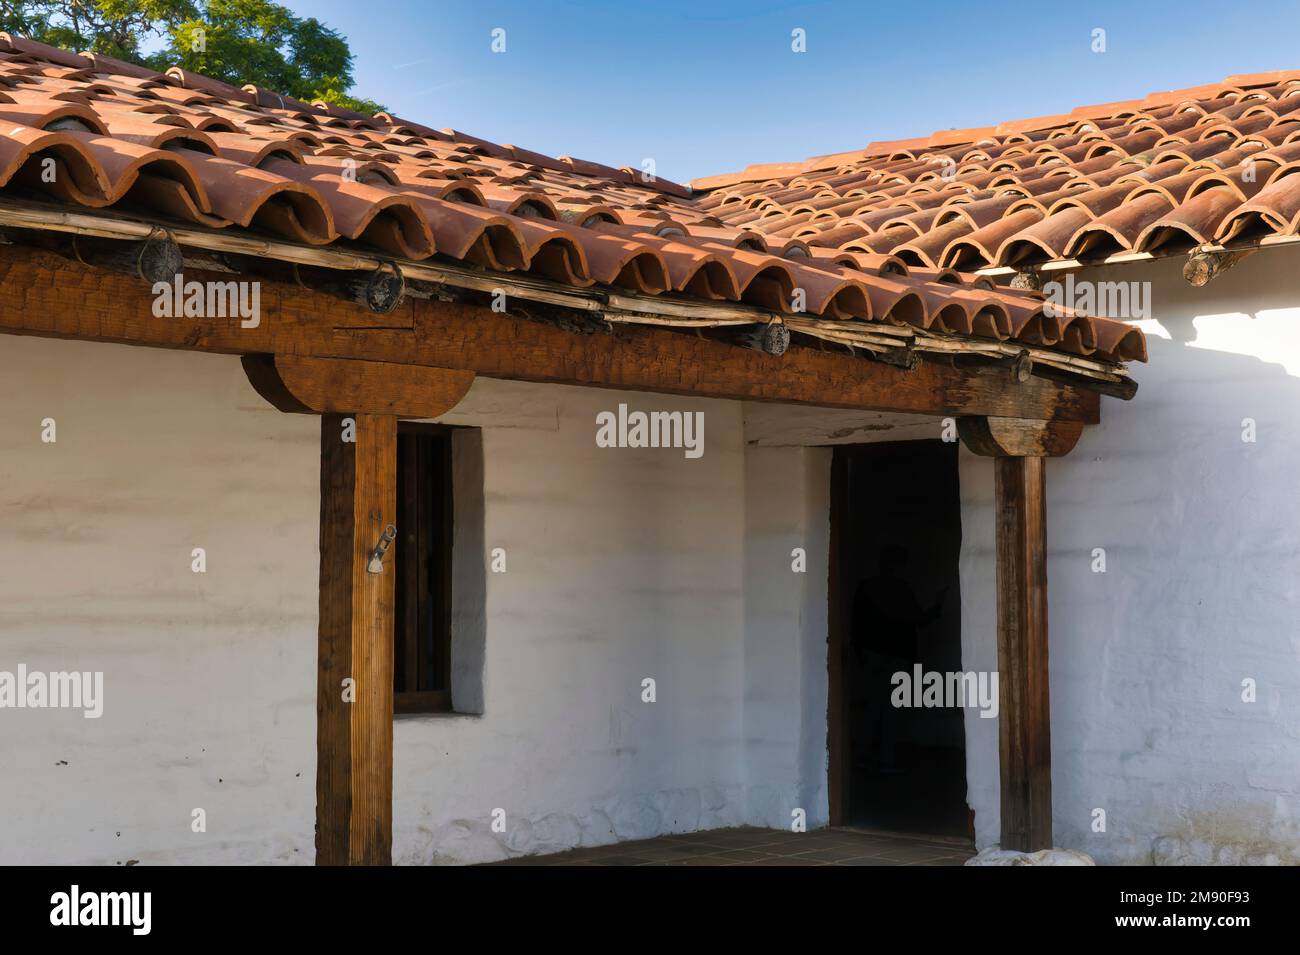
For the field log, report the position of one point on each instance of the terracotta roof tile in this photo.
(1167, 172)
(866, 235)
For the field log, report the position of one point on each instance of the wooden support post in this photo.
(354, 695)
(1024, 710)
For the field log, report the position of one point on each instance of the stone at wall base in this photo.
(995, 856)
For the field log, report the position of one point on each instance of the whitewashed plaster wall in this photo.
(622, 564)
(787, 507)
(626, 564)
(209, 683)
(1202, 538)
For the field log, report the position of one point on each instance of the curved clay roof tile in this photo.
(1117, 230)
(278, 167)
(1191, 223)
(1274, 210)
(982, 245)
(1043, 240)
(43, 52)
(386, 218)
(78, 176)
(44, 113)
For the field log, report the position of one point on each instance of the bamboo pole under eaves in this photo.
(614, 305)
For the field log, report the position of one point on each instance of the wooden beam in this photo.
(59, 298)
(1024, 721)
(1018, 437)
(1202, 265)
(300, 385)
(354, 696)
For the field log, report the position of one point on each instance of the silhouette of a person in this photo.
(886, 618)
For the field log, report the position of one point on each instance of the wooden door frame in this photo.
(1020, 449)
(839, 739)
(837, 710)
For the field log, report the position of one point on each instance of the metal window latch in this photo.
(376, 565)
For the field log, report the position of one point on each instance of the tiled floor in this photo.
(768, 847)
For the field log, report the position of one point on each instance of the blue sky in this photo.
(708, 87)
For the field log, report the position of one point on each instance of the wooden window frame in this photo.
(406, 584)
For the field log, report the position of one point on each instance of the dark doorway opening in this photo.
(895, 604)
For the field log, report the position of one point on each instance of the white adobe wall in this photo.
(209, 689)
(787, 503)
(1202, 538)
(210, 679)
(622, 564)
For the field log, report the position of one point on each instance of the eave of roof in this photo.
(206, 159)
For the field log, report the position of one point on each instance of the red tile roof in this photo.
(1175, 170)
(179, 147)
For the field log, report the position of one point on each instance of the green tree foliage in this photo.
(114, 27)
(237, 41)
